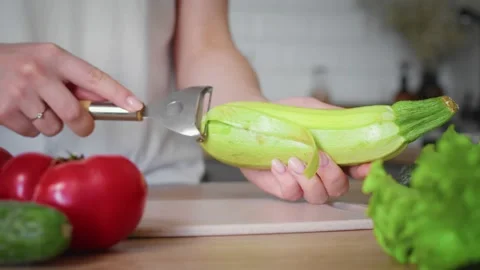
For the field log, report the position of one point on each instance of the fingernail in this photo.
(296, 165)
(324, 160)
(278, 166)
(134, 103)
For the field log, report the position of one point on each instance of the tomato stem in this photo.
(71, 157)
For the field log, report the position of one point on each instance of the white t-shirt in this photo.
(131, 41)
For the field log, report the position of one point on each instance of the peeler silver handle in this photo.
(109, 111)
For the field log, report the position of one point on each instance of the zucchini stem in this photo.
(414, 120)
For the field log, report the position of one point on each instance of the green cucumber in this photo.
(31, 233)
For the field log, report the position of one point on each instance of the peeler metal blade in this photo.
(181, 111)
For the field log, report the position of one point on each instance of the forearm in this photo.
(225, 69)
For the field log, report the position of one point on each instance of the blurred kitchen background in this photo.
(363, 52)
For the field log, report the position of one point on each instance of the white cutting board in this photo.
(240, 216)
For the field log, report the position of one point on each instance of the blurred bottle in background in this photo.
(403, 92)
(319, 84)
(466, 109)
(429, 87)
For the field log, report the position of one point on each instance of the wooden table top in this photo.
(326, 250)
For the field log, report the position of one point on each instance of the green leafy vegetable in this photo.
(435, 221)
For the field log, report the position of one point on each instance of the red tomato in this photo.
(4, 157)
(103, 197)
(21, 174)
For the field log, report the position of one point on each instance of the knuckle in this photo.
(290, 189)
(292, 197)
(6, 110)
(292, 194)
(52, 127)
(28, 69)
(318, 200)
(13, 83)
(337, 193)
(96, 76)
(3, 116)
(57, 128)
(49, 50)
(17, 93)
(27, 72)
(345, 188)
(339, 189)
(53, 130)
(72, 112)
(23, 129)
(30, 132)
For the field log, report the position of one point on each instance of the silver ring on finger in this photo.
(39, 115)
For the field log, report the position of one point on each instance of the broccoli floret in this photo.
(434, 222)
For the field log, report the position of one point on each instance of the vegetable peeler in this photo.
(180, 111)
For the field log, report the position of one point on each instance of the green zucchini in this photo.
(252, 134)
